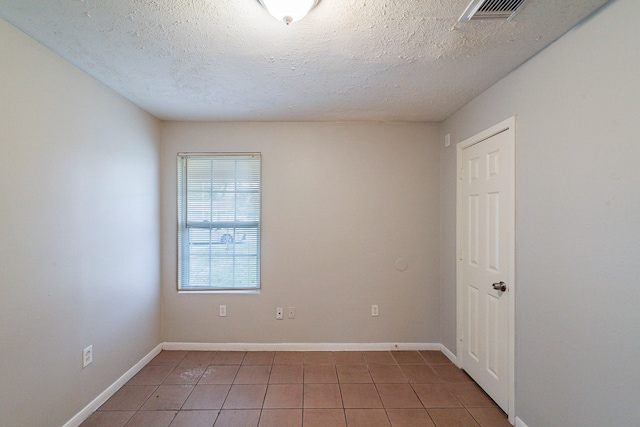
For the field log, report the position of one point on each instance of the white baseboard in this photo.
(110, 391)
(449, 354)
(298, 346)
(520, 423)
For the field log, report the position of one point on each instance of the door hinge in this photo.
(461, 256)
(461, 173)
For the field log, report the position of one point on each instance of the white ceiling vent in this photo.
(491, 9)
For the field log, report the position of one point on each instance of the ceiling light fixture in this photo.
(288, 11)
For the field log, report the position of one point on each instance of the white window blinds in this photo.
(218, 221)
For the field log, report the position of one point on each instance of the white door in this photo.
(486, 261)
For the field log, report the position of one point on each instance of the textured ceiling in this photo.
(229, 60)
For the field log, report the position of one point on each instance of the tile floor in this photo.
(310, 389)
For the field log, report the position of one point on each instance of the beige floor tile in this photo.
(320, 374)
(408, 357)
(281, 418)
(253, 374)
(151, 375)
(322, 396)
(207, 396)
(167, 357)
(283, 374)
(490, 417)
(409, 418)
(471, 395)
(363, 396)
(452, 418)
(349, 358)
(229, 358)
(219, 374)
(185, 375)
(238, 418)
(198, 358)
(259, 358)
(436, 396)
(108, 419)
(366, 418)
(434, 356)
(245, 396)
(194, 419)
(129, 398)
(323, 418)
(387, 374)
(151, 419)
(167, 397)
(283, 396)
(420, 374)
(379, 358)
(353, 374)
(398, 396)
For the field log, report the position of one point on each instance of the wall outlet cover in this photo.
(87, 356)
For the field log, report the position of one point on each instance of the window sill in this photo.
(222, 291)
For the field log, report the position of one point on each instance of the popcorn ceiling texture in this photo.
(348, 60)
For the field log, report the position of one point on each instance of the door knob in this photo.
(500, 286)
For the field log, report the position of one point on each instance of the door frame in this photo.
(509, 126)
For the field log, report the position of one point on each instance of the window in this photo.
(218, 221)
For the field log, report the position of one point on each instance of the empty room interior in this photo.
(360, 118)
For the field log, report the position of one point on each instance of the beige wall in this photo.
(79, 261)
(577, 229)
(341, 203)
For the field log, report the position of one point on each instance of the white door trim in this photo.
(509, 126)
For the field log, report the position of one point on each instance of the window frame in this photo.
(183, 240)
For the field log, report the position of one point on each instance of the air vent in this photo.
(491, 9)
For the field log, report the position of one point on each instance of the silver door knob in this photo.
(500, 286)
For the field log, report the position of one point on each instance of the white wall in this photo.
(79, 239)
(341, 203)
(578, 222)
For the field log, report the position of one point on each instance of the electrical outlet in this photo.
(292, 312)
(223, 310)
(374, 310)
(87, 356)
(279, 313)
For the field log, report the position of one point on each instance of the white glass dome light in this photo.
(288, 11)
